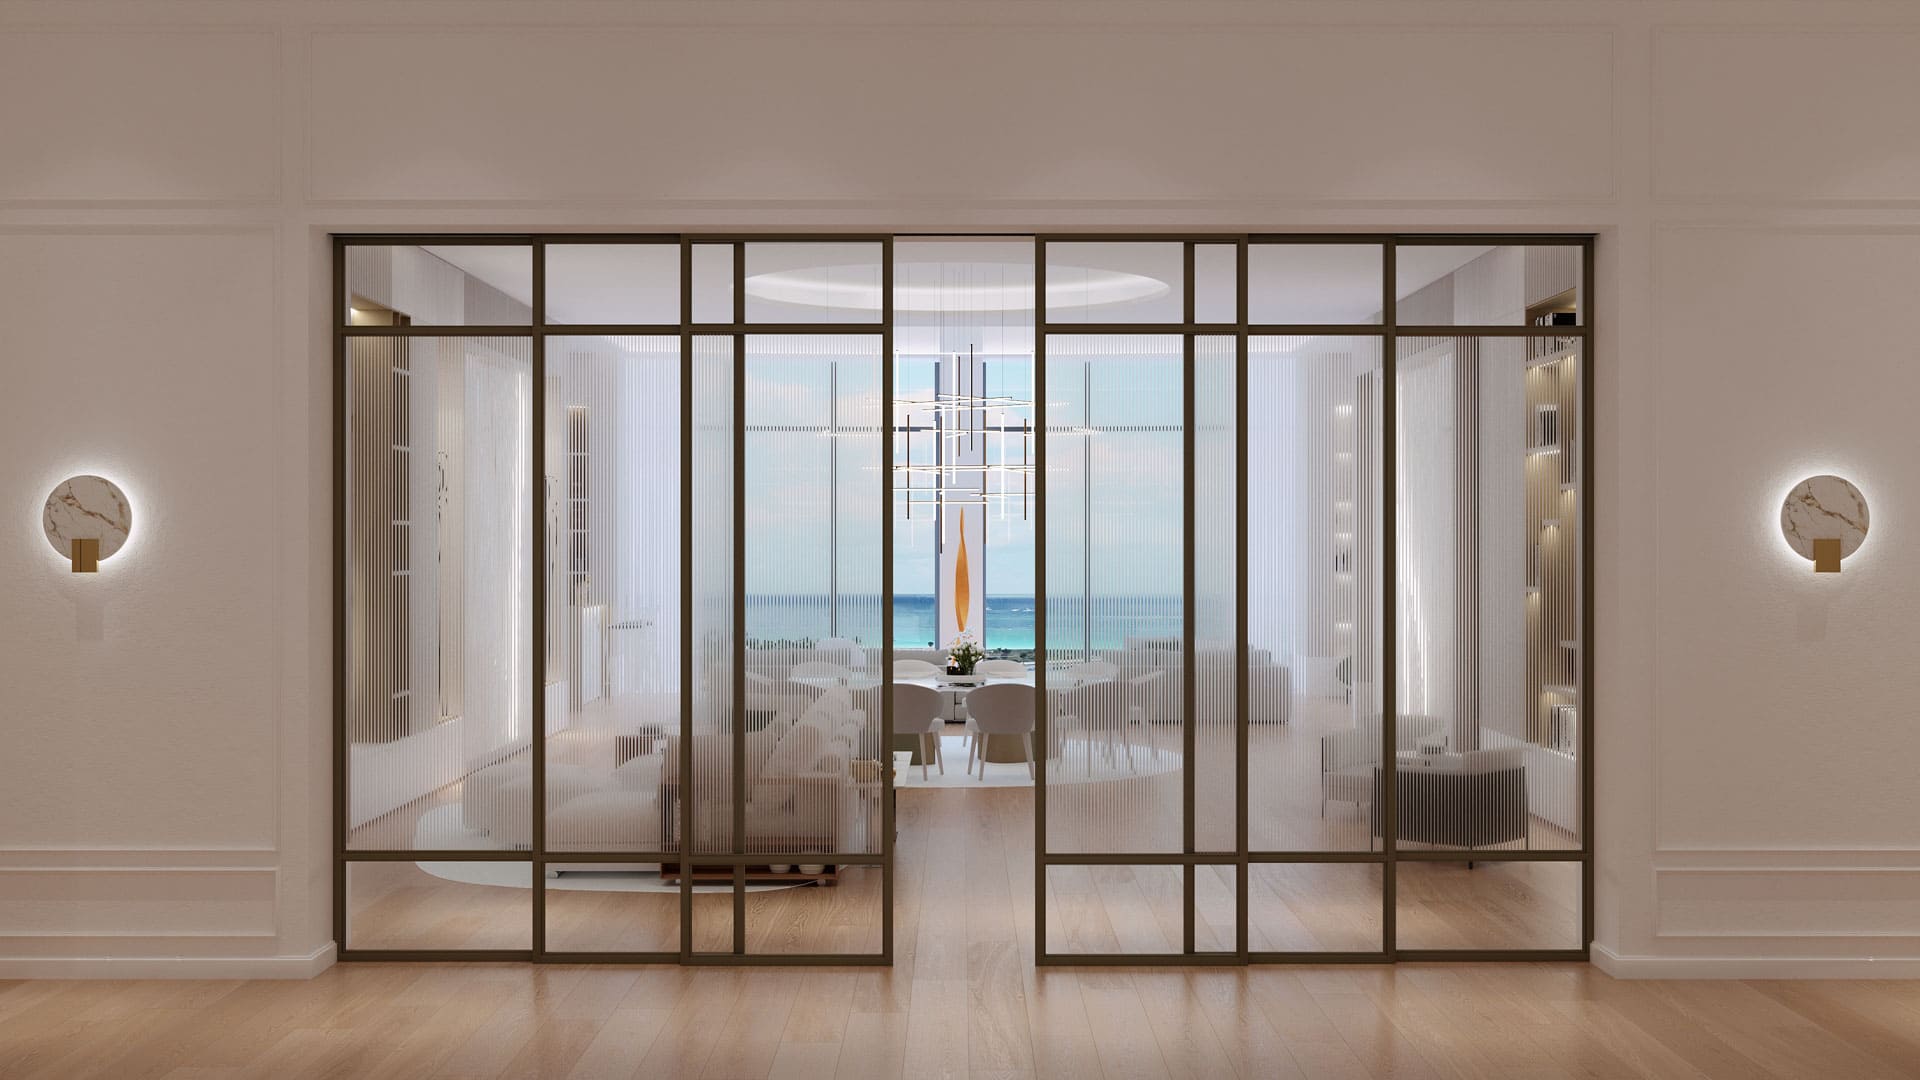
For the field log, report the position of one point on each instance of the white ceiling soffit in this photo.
(1346, 289)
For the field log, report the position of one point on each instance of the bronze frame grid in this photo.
(1242, 329)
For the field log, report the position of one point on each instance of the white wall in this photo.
(170, 173)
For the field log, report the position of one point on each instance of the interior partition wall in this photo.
(1308, 520)
(590, 489)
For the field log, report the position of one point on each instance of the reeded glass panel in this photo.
(441, 285)
(612, 907)
(613, 283)
(1315, 284)
(1093, 910)
(919, 429)
(613, 570)
(1115, 577)
(1216, 278)
(1489, 583)
(1214, 906)
(815, 489)
(1116, 282)
(439, 593)
(713, 918)
(439, 905)
(1486, 285)
(713, 283)
(837, 282)
(714, 627)
(1314, 907)
(844, 919)
(1216, 588)
(1314, 563)
(1487, 905)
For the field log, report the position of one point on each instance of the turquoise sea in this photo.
(1009, 620)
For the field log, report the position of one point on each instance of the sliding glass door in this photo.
(1289, 535)
(613, 614)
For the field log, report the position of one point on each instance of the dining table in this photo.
(999, 749)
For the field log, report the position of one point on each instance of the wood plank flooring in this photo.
(989, 1015)
(964, 999)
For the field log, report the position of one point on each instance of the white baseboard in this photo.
(168, 967)
(1754, 967)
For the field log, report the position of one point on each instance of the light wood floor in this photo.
(977, 1011)
(964, 998)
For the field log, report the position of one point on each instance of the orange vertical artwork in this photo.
(962, 592)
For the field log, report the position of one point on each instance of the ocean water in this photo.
(1009, 620)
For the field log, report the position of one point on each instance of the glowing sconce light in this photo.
(1824, 518)
(87, 518)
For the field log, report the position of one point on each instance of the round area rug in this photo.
(441, 829)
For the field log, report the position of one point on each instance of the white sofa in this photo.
(800, 796)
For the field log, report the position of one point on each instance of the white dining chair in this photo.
(914, 669)
(917, 711)
(1001, 669)
(1000, 709)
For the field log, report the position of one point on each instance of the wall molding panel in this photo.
(1812, 128)
(1109, 89)
(158, 116)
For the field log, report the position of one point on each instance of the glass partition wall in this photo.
(1291, 532)
(608, 506)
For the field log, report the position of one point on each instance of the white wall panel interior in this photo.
(884, 115)
(158, 115)
(129, 905)
(141, 702)
(1784, 698)
(1881, 902)
(1788, 113)
(141, 707)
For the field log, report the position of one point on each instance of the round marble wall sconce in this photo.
(88, 519)
(1824, 519)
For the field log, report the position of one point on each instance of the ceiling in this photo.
(1286, 283)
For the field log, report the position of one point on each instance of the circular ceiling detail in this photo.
(853, 287)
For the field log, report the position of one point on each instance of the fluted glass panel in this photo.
(815, 490)
(1490, 628)
(1216, 589)
(1489, 285)
(712, 283)
(610, 908)
(714, 630)
(808, 282)
(1314, 907)
(1314, 562)
(439, 905)
(1315, 284)
(1216, 280)
(442, 285)
(439, 598)
(1214, 906)
(843, 920)
(1116, 282)
(1115, 579)
(1487, 905)
(613, 283)
(713, 919)
(1093, 910)
(613, 571)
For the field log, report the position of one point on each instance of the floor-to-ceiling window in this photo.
(1289, 530)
